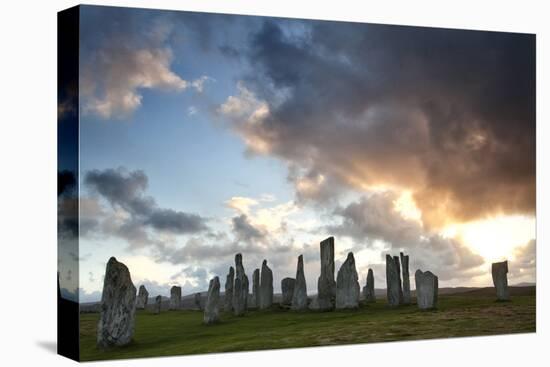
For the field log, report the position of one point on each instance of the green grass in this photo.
(182, 332)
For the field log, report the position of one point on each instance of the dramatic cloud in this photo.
(447, 114)
(523, 265)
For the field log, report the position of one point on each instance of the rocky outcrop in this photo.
(427, 286)
(118, 300)
(266, 286)
(175, 298)
(228, 297)
(287, 289)
(299, 297)
(240, 288)
(142, 298)
(406, 279)
(500, 280)
(368, 291)
(212, 307)
(326, 286)
(393, 281)
(347, 285)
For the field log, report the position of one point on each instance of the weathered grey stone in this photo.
(266, 286)
(500, 280)
(347, 285)
(406, 279)
(393, 281)
(142, 298)
(116, 321)
(228, 297)
(427, 286)
(175, 298)
(326, 286)
(240, 288)
(299, 297)
(255, 299)
(287, 288)
(212, 307)
(198, 303)
(368, 290)
(158, 305)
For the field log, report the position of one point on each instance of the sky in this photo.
(205, 135)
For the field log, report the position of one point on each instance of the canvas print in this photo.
(240, 183)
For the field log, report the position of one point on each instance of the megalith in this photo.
(255, 300)
(158, 305)
(406, 279)
(347, 285)
(299, 297)
(240, 288)
(118, 301)
(369, 288)
(326, 286)
(266, 286)
(198, 303)
(175, 298)
(142, 298)
(228, 296)
(287, 289)
(500, 280)
(393, 281)
(426, 289)
(212, 307)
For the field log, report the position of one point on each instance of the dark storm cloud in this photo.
(126, 190)
(65, 182)
(245, 231)
(449, 114)
(375, 218)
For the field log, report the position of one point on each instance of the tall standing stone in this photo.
(175, 298)
(158, 305)
(255, 300)
(142, 298)
(406, 279)
(427, 285)
(299, 297)
(198, 304)
(287, 288)
(500, 280)
(347, 285)
(228, 297)
(212, 307)
(393, 281)
(326, 286)
(116, 321)
(370, 296)
(240, 289)
(266, 286)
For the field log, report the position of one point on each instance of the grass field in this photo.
(182, 332)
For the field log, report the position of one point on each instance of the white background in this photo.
(28, 182)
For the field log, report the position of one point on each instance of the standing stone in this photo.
(212, 308)
(500, 280)
(406, 280)
(299, 297)
(266, 287)
(326, 286)
(142, 298)
(116, 322)
(287, 288)
(240, 288)
(393, 281)
(426, 289)
(198, 300)
(255, 300)
(369, 288)
(347, 285)
(175, 298)
(158, 305)
(228, 297)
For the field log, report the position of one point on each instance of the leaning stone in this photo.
(228, 297)
(175, 298)
(299, 297)
(198, 304)
(158, 305)
(326, 286)
(347, 285)
(500, 280)
(255, 299)
(212, 308)
(240, 288)
(266, 286)
(368, 290)
(116, 321)
(406, 280)
(142, 298)
(426, 289)
(393, 281)
(287, 288)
